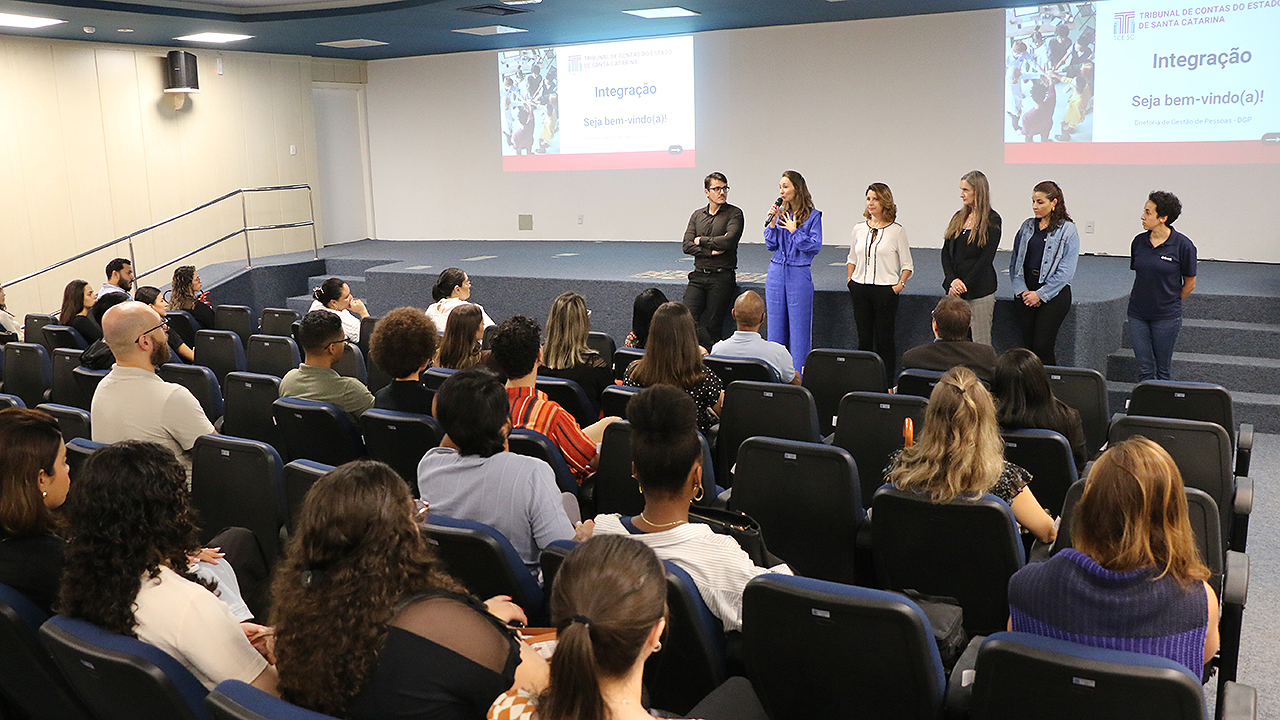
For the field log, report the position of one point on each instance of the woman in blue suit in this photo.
(794, 234)
(1045, 252)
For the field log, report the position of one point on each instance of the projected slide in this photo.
(1143, 82)
(625, 104)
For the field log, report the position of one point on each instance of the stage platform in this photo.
(1231, 333)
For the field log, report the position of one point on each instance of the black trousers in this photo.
(1040, 325)
(875, 311)
(709, 296)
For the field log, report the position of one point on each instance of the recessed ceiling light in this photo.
(664, 12)
(213, 37)
(124, 30)
(490, 30)
(26, 21)
(353, 43)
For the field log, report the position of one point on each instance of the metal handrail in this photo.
(244, 229)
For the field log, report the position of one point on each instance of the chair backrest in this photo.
(79, 450)
(34, 324)
(277, 321)
(1084, 389)
(869, 426)
(817, 649)
(185, 324)
(729, 369)
(1047, 456)
(239, 483)
(236, 700)
(28, 372)
(272, 355)
(692, 661)
(486, 340)
(221, 351)
(524, 441)
(1206, 402)
(367, 324)
(378, 378)
(122, 678)
(1201, 450)
(299, 476)
(317, 431)
(765, 409)
(623, 357)
(434, 377)
(486, 562)
(1024, 675)
(570, 395)
(202, 383)
(236, 318)
(831, 374)
(63, 336)
(807, 500)
(400, 439)
(550, 558)
(29, 680)
(614, 400)
(603, 344)
(72, 421)
(965, 549)
(10, 401)
(351, 364)
(914, 381)
(616, 489)
(247, 409)
(66, 391)
(87, 380)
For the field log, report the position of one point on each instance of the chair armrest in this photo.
(1235, 579)
(1237, 702)
(1235, 592)
(1244, 449)
(960, 683)
(587, 497)
(1242, 507)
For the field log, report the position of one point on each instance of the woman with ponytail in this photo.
(958, 453)
(335, 296)
(452, 289)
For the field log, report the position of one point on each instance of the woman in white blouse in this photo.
(879, 265)
(452, 289)
(335, 296)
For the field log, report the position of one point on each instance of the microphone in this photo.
(776, 204)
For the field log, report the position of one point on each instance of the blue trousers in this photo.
(1153, 342)
(788, 292)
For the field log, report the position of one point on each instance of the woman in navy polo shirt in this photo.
(1045, 252)
(1164, 265)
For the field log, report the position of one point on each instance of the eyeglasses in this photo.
(335, 342)
(719, 188)
(164, 325)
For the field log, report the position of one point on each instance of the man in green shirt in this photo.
(323, 344)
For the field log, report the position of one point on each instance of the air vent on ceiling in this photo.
(499, 10)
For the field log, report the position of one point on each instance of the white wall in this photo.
(914, 102)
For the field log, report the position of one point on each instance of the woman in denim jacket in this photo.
(1045, 252)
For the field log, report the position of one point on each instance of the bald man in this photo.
(132, 402)
(748, 313)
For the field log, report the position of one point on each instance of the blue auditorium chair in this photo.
(434, 377)
(221, 351)
(1084, 389)
(66, 391)
(79, 450)
(202, 383)
(622, 358)
(29, 680)
(185, 324)
(28, 372)
(400, 439)
(272, 355)
(831, 374)
(87, 380)
(1206, 402)
(34, 325)
(1047, 456)
(72, 421)
(299, 476)
(63, 336)
(486, 563)
(236, 318)
(523, 441)
(277, 321)
(765, 409)
(352, 365)
(10, 401)
(570, 396)
(236, 700)
(914, 381)
(615, 398)
(603, 344)
(870, 426)
(317, 431)
(729, 369)
(248, 413)
(239, 483)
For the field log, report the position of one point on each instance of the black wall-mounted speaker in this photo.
(180, 73)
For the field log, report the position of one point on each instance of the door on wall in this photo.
(346, 197)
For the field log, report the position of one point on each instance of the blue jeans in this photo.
(1153, 342)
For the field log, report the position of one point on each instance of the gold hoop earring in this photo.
(701, 492)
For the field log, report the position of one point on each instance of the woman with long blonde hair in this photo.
(672, 357)
(969, 252)
(566, 353)
(1134, 580)
(958, 453)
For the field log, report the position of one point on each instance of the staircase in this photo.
(1230, 340)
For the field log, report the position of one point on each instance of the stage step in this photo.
(1260, 409)
(1240, 338)
(1234, 372)
(1256, 308)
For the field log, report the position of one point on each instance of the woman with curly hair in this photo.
(672, 357)
(34, 479)
(368, 623)
(127, 570)
(460, 347)
(78, 298)
(186, 295)
(566, 353)
(403, 343)
(958, 453)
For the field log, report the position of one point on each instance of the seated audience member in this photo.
(9, 325)
(460, 347)
(516, 353)
(334, 296)
(451, 291)
(567, 355)
(98, 355)
(1024, 399)
(34, 479)
(187, 296)
(748, 313)
(78, 298)
(132, 402)
(609, 606)
(119, 278)
(472, 475)
(667, 458)
(403, 343)
(369, 625)
(132, 520)
(674, 358)
(323, 344)
(950, 346)
(153, 297)
(642, 310)
(958, 453)
(1134, 580)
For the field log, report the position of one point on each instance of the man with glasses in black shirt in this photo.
(712, 239)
